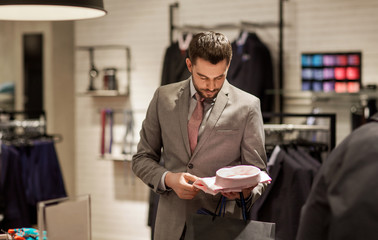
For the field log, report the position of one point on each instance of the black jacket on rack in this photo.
(251, 70)
(292, 175)
(174, 66)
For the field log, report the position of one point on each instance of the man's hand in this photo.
(236, 195)
(181, 183)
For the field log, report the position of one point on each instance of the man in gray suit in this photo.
(231, 133)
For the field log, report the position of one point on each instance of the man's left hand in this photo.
(236, 195)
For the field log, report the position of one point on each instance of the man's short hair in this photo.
(210, 46)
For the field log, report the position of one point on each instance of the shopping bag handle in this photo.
(222, 205)
(244, 212)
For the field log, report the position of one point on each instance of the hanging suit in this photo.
(251, 70)
(283, 199)
(174, 66)
(307, 162)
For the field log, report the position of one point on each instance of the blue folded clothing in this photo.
(7, 87)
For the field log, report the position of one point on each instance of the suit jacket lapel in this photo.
(215, 114)
(183, 108)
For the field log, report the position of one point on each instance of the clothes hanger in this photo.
(242, 38)
(184, 40)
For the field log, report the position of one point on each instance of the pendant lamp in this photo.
(50, 10)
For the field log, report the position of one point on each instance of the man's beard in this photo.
(208, 99)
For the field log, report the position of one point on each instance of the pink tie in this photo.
(195, 122)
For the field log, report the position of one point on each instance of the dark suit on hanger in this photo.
(343, 201)
(282, 201)
(315, 162)
(310, 165)
(251, 70)
(174, 66)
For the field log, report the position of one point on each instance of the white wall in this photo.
(119, 205)
(119, 201)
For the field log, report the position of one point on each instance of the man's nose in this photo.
(211, 85)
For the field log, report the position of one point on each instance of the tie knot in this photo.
(199, 98)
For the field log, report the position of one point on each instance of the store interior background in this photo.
(119, 200)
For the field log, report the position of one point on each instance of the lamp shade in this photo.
(50, 10)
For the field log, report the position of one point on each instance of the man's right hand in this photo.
(181, 183)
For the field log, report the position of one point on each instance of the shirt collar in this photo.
(192, 89)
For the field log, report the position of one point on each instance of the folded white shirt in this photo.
(208, 184)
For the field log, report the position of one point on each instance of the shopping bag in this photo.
(205, 227)
(214, 225)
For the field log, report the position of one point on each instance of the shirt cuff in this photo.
(162, 186)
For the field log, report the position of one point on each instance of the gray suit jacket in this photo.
(233, 135)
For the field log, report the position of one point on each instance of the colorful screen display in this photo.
(331, 72)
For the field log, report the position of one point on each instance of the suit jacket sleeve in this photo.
(145, 162)
(252, 146)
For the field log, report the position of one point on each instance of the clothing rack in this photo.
(243, 25)
(293, 127)
(22, 190)
(24, 125)
(302, 127)
(23, 119)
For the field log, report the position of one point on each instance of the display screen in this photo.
(331, 72)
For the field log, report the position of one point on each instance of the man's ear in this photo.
(189, 64)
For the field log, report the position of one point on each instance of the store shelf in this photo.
(116, 157)
(94, 72)
(103, 93)
(332, 96)
(115, 46)
(326, 96)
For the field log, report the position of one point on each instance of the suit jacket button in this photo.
(190, 166)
